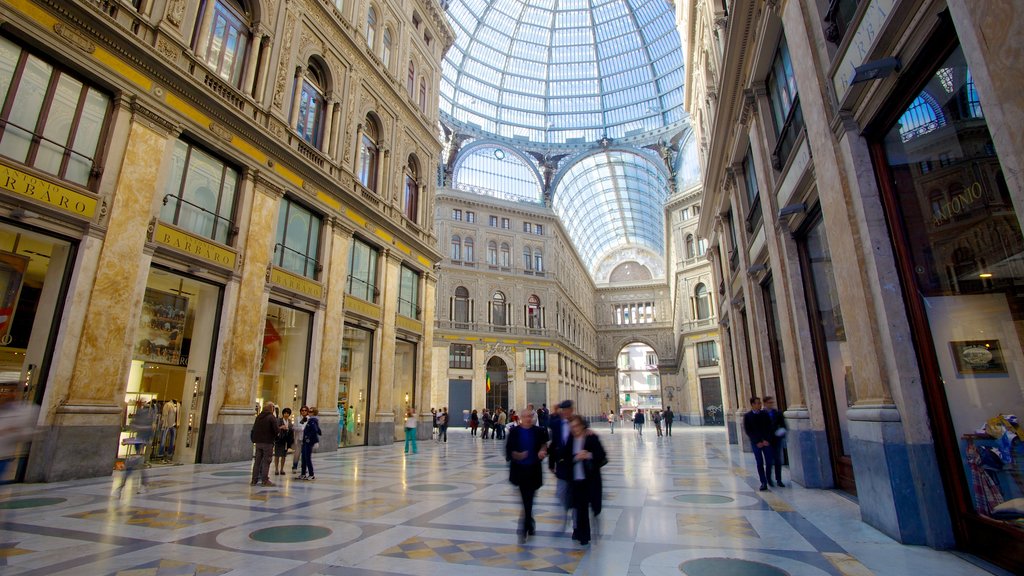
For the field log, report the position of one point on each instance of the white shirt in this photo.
(410, 421)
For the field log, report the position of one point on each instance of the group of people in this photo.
(766, 428)
(274, 435)
(575, 456)
(659, 417)
(493, 424)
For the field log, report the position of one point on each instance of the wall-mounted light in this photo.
(406, 397)
(985, 275)
(790, 209)
(875, 69)
(756, 268)
(295, 393)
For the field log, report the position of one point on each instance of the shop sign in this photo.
(195, 246)
(296, 283)
(409, 324)
(868, 29)
(361, 307)
(46, 192)
(961, 203)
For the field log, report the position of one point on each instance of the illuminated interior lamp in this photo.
(985, 275)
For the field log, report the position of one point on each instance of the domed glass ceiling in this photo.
(563, 71)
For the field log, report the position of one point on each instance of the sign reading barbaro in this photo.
(296, 283)
(181, 241)
(46, 192)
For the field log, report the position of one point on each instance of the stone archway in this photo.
(498, 393)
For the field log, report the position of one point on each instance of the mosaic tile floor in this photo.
(681, 505)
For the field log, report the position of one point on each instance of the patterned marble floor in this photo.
(681, 505)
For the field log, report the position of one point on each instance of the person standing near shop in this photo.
(758, 427)
(264, 432)
(525, 449)
(285, 438)
(310, 440)
(297, 430)
(669, 416)
(776, 440)
(410, 431)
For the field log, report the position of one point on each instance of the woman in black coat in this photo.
(585, 456)
(525, 449)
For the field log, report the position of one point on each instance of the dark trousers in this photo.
(307, 459)
(527, 525)
(763, 457)
(580, 498)
(442, 432)
(668, 427)
(776, 451)
(261, 464)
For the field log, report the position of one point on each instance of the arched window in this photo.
(311, 105)
(411, 199)
(385, 49)
(456, 248)
(702, 301)
(538, 260)
(423, 94)
(410, 84)
(506, 256)
(702, 246)
(371, 26)
(461, 311)
(533, 315)
(527, 258)
(691, 250)
(499, 310)
(467, 247)
(492, 253)
(368, 155)
(226, 42)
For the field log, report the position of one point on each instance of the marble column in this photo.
(335, 274)
(205, 28)
(252, 61)
(382, 425)
(425, 388)
(227, 437)
(83, 439)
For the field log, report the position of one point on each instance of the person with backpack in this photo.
(284, 440)
(310, 440)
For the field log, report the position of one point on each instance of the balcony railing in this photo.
(494, 328)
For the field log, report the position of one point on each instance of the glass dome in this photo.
(552, 72)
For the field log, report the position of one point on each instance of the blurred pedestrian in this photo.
(584, 456)
(525, 449)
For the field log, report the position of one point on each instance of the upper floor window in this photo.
(410, 83)
(460, 356)
(702, 246)
(702, 302)
(411, 199)
(499, 309)
(298, 239)
(538, 229)
(784, 101)
(456, 214)
(371, 26)
(200, 193)
(753, 192)
(527, 227)
(506, 256)
(311, 105)
(536, 360)
(470, 216)
(533, 313)
(684, 214)
(538, 260)
(49, 120)
(226, 42)
(527, 258)
(492, 221)
(409, 293)
(362, 271)
(468, 252)
(691, 248)
(707, 354)
(368, 154)
(456, 248)
(423, 94)
(460, 308)
(506, 223)
(492, 253)
(385, 48)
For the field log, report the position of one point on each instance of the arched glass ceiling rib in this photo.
(612, 199)
(555, 70)
(497, 171)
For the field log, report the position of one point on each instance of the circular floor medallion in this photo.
(432, 487)
(290, 534)
(30, 503)
(731, 566)
(704, 499)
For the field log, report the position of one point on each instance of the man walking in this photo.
(778, 435)
(638, 421)
(263, 434)
(442, 426)
(669, 417)
(758, 426)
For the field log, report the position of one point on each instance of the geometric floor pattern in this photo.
(682, 505)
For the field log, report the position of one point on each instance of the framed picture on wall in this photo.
(978, 357)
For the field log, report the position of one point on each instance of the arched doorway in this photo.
(496, 384)
(638, 379)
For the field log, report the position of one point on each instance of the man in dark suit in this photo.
(525, 448)
(560, 436)
(758, 426)
(583, 456)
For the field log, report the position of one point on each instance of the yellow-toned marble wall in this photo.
(332, 340)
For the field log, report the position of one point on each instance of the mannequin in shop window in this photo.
(169, 421)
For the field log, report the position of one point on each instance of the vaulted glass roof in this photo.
(610, 200)
(548, 72)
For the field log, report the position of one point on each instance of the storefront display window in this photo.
(353, 385)
(284, 363)
(169, 374)
(964, 245)
(33, 272)
(405, 383)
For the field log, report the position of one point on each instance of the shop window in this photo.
(707, 354)
(298, 239)
(49, 119)
(456, 248)
(404, 397)
(460, 306)
(536, 360)
(460, 356)
(362, 271)
(354, 384)
(411, 199)
(311, 105)
(284, 362)
(227, 40)
(368, 154)
(962, 251)
(200, 193)
(409, 293)
(371, 26)
(702, 302)
(784, 100)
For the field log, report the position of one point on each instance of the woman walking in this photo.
(586, 455)
(525, 448)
